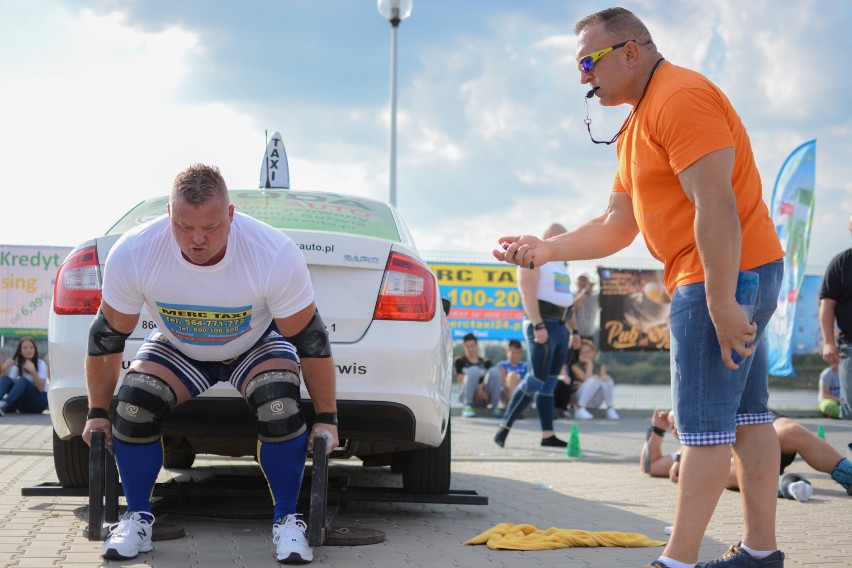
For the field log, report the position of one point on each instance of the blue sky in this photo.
(103, 102)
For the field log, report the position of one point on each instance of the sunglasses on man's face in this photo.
(587, 63)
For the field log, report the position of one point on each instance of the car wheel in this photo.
(71, 461)
(427, 470)
(178, 453)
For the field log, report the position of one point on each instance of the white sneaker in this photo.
(611, 414)
(128, 537)
(292, 546)
(801, 491)
(582, 414)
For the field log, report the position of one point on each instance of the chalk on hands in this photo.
(506, 247)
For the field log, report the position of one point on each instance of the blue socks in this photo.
(138, 465)
(287, 461)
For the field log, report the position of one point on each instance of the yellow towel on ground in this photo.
(507, 536)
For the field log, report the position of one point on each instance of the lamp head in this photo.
(394, 11)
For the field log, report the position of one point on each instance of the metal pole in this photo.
(394, 27)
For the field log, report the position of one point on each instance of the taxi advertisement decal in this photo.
(205, 325)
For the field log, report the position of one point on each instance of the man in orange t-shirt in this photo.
(687, 181)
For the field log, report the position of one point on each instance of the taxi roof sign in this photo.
(274, 171)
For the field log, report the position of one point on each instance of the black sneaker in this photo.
(554, 442)
(500, 436)
(736, 557)
(656, 564)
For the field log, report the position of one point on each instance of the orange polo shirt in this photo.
(682, 118)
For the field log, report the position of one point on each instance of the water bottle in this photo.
(747, 283)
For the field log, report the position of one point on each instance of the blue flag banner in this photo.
(807, 337)
(792, 212)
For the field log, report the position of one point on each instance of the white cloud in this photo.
(99, 113)
(100, 126)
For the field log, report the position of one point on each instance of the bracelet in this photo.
(539, 326)
(326, 418)
(654, 430)
(97, 413)
(575, 332)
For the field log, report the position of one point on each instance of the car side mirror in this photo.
(445, 302)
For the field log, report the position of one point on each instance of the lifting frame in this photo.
(104, 490)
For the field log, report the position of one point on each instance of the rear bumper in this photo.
(367, 422)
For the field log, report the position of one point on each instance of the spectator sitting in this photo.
(829, 392)
(512, 370)
(23, 386)
(595, 386)
(793, 439)
(479, 384)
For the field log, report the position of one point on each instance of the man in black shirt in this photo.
(835, 304)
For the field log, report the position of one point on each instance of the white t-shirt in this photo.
(41, 368)
(210, 313)
(554, 285)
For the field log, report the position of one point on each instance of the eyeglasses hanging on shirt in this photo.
(591, 93)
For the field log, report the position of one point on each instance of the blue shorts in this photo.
(709, 399)
(198, 376)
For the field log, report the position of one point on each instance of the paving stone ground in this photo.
(525, 483)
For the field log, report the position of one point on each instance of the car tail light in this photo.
(78, 284)
(408, 291)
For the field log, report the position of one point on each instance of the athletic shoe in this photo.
(500, 436)
(130, 536)
(288, 534)
(801, 491)
(498, 412)
(553, 442)
(611, 414)
(582, 414)
(656, 564)
(736, 557)
(468, 412)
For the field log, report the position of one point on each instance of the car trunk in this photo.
(346, 272)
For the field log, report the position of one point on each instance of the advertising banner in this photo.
(807, 337)
(484, 299)
(793, 214)
(27, 276)
(634, 310)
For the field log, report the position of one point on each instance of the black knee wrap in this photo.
(143, 401)
(274, 396)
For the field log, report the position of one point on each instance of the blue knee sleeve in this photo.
(138, 465)
(283, 465)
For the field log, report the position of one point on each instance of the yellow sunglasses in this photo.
(587, 63)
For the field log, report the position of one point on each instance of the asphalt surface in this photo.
(525, 483)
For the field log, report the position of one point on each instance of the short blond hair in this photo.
(199, 183)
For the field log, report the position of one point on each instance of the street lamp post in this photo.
(394, 11)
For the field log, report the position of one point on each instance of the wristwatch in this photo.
(326, 418)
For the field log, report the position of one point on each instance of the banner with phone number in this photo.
(27, 276)
(484, 299)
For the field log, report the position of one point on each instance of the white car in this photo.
(390, 341)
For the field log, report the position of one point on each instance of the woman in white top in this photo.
(595, 386)
(23, 386)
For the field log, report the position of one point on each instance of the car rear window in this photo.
(308, 210)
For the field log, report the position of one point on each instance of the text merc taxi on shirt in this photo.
(391, 343)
